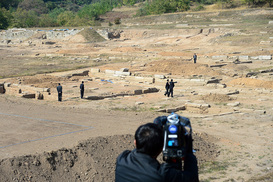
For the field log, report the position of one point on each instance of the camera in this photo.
(176, 129)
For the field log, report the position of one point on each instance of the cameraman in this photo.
(140, 164)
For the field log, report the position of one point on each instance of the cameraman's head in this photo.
(149, 139)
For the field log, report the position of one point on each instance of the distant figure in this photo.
(167, 86)
(194, 58)
(82, 89)
(60, 92)
(171, 88)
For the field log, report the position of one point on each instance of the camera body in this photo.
(175, 129)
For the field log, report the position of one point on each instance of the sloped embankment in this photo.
(91, 160)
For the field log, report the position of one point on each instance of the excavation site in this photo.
(226, 94)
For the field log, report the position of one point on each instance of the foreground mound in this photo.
(91, 160)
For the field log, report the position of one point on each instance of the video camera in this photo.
(177, 130)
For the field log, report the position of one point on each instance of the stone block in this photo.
(109, 72)
(205, 106)
(265, 57)
(170, 110)
(243, 57)
(29, 96)
(254, 57)
(235, 104)
(195, 105)
(181, 108)
(150, 90)
(137, 92)
(266, 71)
(213, 81)
(219, 57)
(94, 98)
(124, 69)
(2, 90)
(260, 111)
(245, 62)
(40, 96)
(232, 93)
(95, 70)
(120, 73)
(217, 65)
(221, 85)
(160, 76)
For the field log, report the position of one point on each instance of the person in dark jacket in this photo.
(167, 86)
(82, 89)
(171, 88)
(194, 58)
(60, 92)
(141, 165)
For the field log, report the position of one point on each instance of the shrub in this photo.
(117, 21)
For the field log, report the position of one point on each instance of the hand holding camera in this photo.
(177, 136)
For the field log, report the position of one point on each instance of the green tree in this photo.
(3, 21)
(47, 21)
(25, 19)
(65, 18)
(164, 6)
(55, 12)
(183, 5)
(7, 4)
(37, 6)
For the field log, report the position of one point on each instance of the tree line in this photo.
(54, 13)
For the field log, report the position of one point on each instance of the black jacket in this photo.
(133, 166)
(82, 87)
(167, 86)
(59, 89)
(171, 84)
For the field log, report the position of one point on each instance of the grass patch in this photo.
(266, 177)
(221, 104)
(28, 66)
(214, 166)
(258, 69)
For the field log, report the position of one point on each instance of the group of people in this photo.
(169, 88)
(60, 91)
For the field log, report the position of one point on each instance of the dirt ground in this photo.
(79, 139)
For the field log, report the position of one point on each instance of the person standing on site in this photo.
(60, 92)
(171, 88)
(194, 58)
(82, 89)
(167, 86)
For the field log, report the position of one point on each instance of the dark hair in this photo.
(149, 139)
